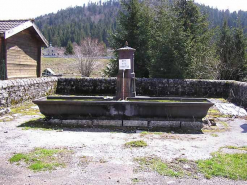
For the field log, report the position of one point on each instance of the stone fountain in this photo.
(126, 109)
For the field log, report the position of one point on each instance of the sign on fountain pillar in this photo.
(126, 75)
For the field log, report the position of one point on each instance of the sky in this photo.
(232, 5)
(26, 9)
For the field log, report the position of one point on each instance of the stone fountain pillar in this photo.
(126, 75)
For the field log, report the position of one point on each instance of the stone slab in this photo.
(192, 125)
(134, 123)
(55, 121)
(84, 123)
(165, 124)
(116, 123)
(70, 123)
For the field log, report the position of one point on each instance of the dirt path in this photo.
(100, 156)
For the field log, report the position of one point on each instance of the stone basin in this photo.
(137, 108)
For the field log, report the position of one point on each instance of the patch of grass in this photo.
(135, 180)
(214, 135)
(225, 124)
(25, 109)
(236, 147)
(41, 159)
(217, 128)
(157, 133)
(213, 129)
(5, 119)
(150, 133)
(102, 160)
(232, 166)
(159, 166)
(139, 143)
(215, 113)
(222, 100)
(18, 157)
(85, 160)
(183, 160)
(41, 166)
(231, 147)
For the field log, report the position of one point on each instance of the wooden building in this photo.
(20, 49)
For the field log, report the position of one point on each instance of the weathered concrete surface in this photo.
(185, 109)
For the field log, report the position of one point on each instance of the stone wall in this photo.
(146, 87)
(238, 93)
(87, 86)
(179, 87)
(17, 91)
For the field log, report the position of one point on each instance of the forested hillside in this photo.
(97, 20)
(216, 17)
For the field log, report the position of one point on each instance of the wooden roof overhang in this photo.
(26, 25)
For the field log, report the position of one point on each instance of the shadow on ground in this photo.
(244, 127)
(43, 124)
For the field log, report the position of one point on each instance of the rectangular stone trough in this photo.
(152, 110)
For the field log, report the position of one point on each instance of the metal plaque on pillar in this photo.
(124, 64)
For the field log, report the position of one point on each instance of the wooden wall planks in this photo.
(22, 55)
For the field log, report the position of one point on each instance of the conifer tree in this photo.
(69, 49)
(199, 56)
(167, 47)
(181, 42)
(133, 26)
(232, 53)
(240, 54)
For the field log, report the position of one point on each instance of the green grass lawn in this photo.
(232, 166)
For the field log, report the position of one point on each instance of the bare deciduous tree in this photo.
(87, 53)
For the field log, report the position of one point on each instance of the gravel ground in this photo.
(108, 161)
